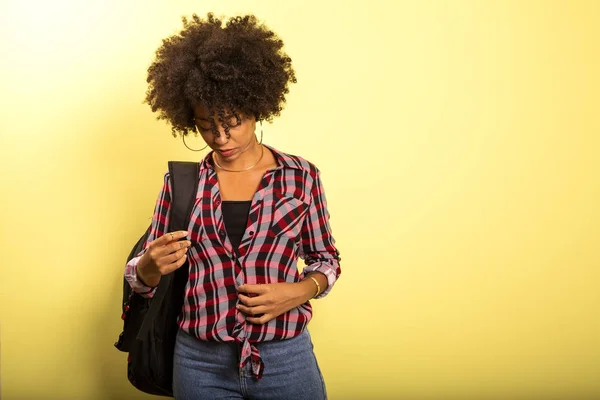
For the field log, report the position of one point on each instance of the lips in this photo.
(226, 153)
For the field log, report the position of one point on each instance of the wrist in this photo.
(150, 280)
(309, 289)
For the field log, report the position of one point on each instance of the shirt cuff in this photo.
(329, 268)
(136, 284)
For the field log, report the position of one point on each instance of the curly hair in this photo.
(237, 66)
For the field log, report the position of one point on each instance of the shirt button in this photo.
(222, 233)
(251, 233)
(217, 202)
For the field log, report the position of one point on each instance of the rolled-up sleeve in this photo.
(160, 222)
(318, 245)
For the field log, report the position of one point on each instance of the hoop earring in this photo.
(261, 132)
(185, 144)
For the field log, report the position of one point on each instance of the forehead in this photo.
(203, 112)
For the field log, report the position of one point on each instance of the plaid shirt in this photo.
(288, 219)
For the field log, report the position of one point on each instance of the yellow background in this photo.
(459, 145)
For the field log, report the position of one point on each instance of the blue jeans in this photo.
(209, 370)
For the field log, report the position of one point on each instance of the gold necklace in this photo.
(262, 150)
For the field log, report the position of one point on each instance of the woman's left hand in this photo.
(272, 299)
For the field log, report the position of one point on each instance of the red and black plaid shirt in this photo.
(288, 219)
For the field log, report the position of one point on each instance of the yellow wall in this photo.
(459, 146)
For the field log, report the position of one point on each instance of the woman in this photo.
(243, 324)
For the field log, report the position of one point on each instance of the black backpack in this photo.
(150, 325)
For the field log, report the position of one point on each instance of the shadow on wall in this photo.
(115, 173)
(109, 363)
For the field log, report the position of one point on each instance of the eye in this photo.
(232, 120)
(203, 125)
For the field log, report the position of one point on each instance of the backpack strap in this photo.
(184, 186)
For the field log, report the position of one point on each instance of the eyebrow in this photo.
(226, 116)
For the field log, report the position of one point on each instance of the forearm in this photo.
(312, 288)
(318, 246)
(135, 274)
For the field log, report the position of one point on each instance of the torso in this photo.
(243, 185)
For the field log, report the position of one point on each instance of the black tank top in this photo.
(235, 217)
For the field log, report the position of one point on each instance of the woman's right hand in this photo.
(163, 255)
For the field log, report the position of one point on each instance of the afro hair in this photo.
(236, 65)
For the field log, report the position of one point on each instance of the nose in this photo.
(221, 139)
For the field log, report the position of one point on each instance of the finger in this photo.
(165, 239)
(173, 257)
(173, 266)
(168, 237)
(256, 289)
(172, 248)
(250, 301)
(176, 246)
(260, 320)
(254, 311)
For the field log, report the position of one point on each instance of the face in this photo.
(230, 137)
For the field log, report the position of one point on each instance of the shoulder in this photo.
(296, 162)
(166, 187)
